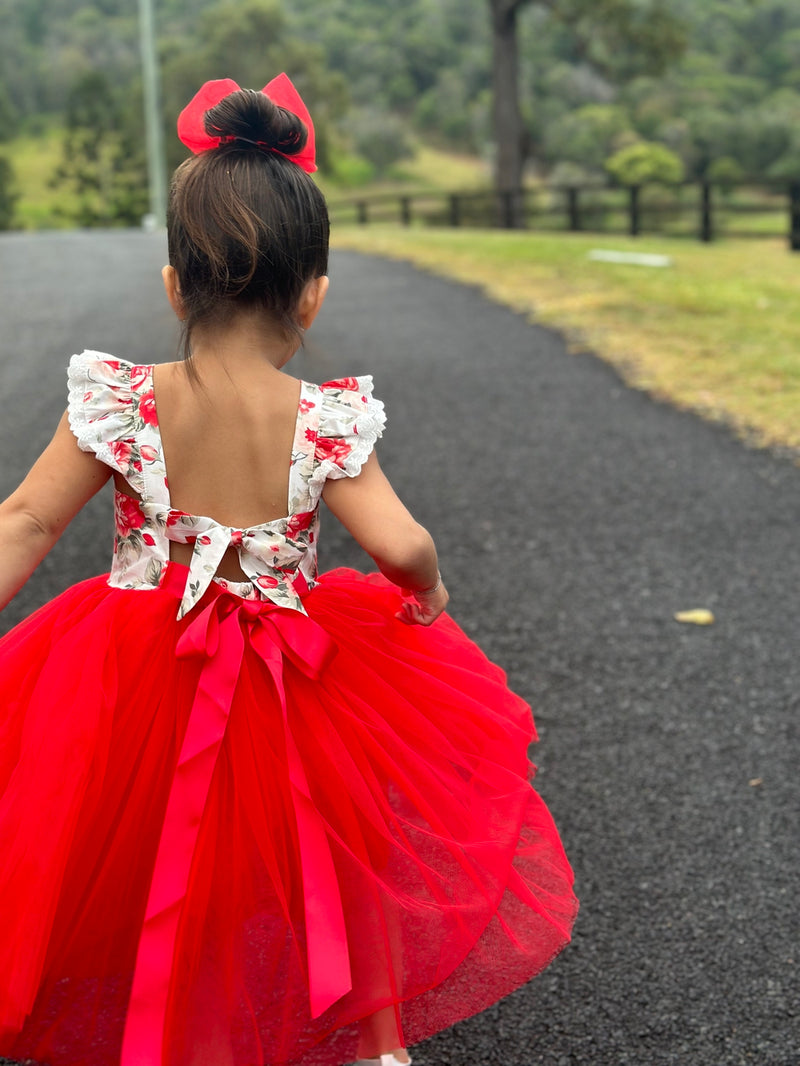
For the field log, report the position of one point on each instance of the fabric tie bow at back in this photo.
(219, 636)
(191, 121)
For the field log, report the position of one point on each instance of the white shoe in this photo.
(384, 1060)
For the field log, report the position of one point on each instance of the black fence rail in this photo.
(700, 210)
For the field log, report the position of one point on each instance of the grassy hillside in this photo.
(35, 158)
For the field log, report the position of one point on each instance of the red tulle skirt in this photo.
(360, 859)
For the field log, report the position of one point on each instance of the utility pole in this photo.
(156, 164)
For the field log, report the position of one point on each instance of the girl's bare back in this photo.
(227, 444)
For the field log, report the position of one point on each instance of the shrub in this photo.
(645, 162)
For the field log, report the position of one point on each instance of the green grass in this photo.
(717, 332)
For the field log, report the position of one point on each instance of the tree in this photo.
(588, 135)
(379, 138)
(103, 162)
(621, 38)
(725, 173)
(8, 194)
(645, 162)
(507, 125)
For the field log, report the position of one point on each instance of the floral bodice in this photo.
(112, 412)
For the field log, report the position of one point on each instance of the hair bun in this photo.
(253, 118)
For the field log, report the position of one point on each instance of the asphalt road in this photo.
(574, 518)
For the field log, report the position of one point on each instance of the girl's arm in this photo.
(32, 519)
(368, 507)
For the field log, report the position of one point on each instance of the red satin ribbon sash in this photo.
(221, 628)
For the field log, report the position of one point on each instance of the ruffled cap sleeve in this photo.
(101, 407)
(351, 421)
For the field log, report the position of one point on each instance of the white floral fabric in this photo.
(112, 412)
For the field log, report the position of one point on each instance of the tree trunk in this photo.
(507, 118)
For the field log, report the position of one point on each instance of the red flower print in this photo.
(204, 539)
(121, 450)
(87, 396)
(348, 384)
(236, 538)
(127, 514)
(147, 409)
(139, 374)
(306, 405)
(298, 522)
(148, 538)
(148, 453)
(112, 364)
(267, 582)
(333, 448)
(175, 518)
(311, 434)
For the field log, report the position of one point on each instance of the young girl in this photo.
(249, 815)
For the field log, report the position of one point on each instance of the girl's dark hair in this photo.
(246, 227)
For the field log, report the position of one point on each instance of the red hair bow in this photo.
(280, 90)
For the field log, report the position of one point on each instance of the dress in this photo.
(255, 823)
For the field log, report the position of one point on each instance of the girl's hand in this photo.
(422, 608)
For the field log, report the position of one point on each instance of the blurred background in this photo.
(418, 95)
(494, 141)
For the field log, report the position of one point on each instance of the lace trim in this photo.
(363, 426)
(106, 418)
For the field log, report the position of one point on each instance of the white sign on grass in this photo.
(645, 259)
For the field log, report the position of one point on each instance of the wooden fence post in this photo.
(507, 209)
(706, 213)
(794, 216)
(633, 210)
(573, 209)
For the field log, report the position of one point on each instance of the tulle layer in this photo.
(442, 860)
